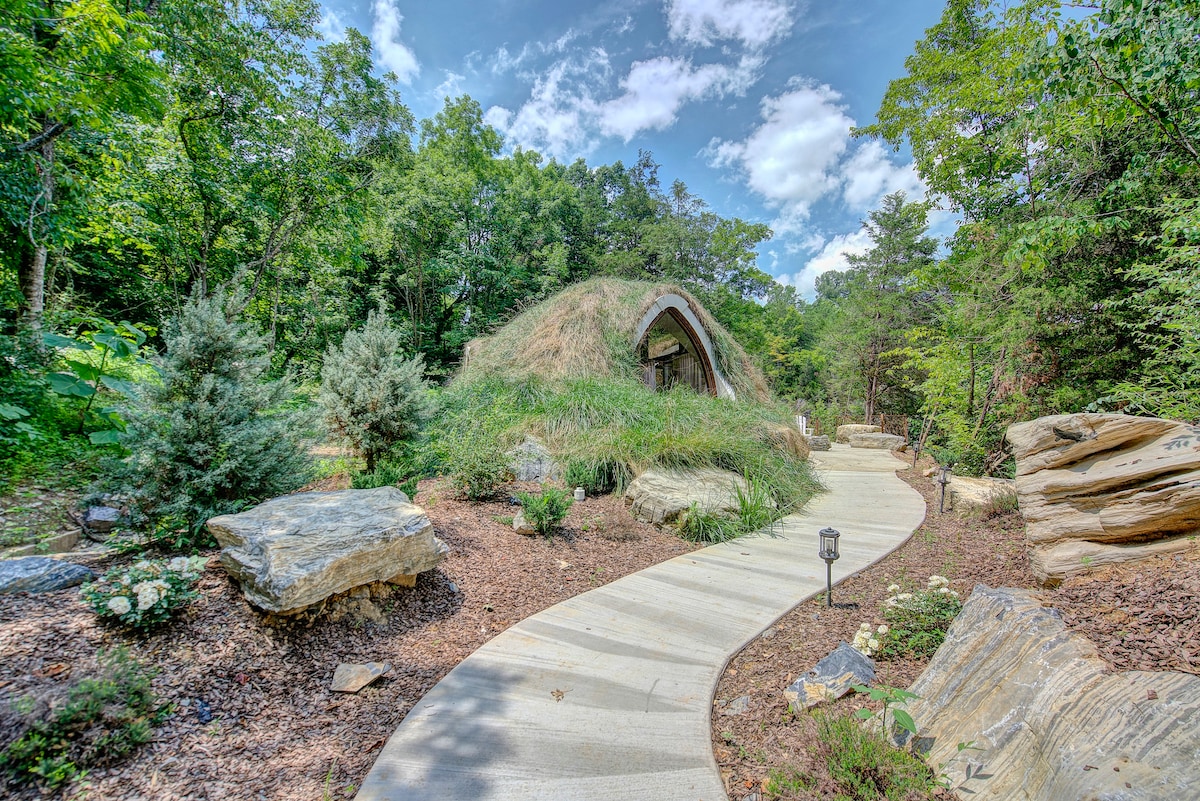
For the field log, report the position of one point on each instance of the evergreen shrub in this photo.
(372, 395)
(213, 436)
(545, 510)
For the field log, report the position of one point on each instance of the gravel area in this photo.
(277, 731)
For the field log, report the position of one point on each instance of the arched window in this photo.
(675, 350)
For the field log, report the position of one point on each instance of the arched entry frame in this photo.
(679, 310)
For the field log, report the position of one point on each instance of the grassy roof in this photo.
(589, 330)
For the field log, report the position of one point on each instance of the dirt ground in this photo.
(1141, 617)
(277, 731)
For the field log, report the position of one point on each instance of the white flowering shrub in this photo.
(915, 622)
(145, 593)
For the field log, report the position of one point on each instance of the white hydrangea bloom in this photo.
(882, 630)
(873, 644)
(119, 605)
(147, 595)
(893, 588)
(178, 565)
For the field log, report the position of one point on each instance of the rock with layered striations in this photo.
(660, 495)
(532, 461)
(40, 574)
(293, 552)
(831, 678)
(844, 433)
(817, 442)
(972, 494)
(1046, 717)
(883, 442)
(1119, 481)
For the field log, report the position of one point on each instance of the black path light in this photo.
(944, 480)
(829, 552)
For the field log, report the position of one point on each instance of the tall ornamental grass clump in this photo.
(613, 428)
(372, 395)
(213, 436)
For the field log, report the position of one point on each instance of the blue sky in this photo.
(749, 102)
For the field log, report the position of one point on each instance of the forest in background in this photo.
(154, 150)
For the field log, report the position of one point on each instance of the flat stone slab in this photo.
(833, 677)
(660, 495)
(41, 574)
(844, 432)
(885, 442)
(1047, 718)
(350, 678)
(293, 552)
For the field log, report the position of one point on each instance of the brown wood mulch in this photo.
(277, 731)
(1141, 617)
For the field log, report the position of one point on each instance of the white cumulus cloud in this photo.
(869, 175)
(791, 159)
(394, 55)
(331, 27)
(831, 256)
(755, 23)
(655, 90)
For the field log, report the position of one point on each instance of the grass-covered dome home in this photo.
(613, 377)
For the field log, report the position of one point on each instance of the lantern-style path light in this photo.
(829, 552)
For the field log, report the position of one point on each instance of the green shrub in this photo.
(597, 477)
(213, 436)
(104, 719)
(545, 510)
(146, 593)
(372, 395)
(917, 621)
(387, 474)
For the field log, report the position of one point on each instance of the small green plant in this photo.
(103, 719)
(755, 510)
(387, 474)
(596, 477)
(789, 781)
(892, 698)
(545, 510)
(146, 593)
(95, 363)
(865, 766)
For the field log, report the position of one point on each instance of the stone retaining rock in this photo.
(972, 494)
(293, 552)
(1104, 478)
(532, 461)
(844, 433)
(818, 443)
(41, 574)
(832, 678)
(1051, 720)
(885, 442)
(660, 495)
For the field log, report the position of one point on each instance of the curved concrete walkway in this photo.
(608, 695)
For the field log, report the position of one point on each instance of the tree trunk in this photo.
(31, 269)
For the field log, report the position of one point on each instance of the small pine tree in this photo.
(210, 438)
(372, 395)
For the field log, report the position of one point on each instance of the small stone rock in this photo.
(203, 712)
(350, 678)
(99, 521)
(738, 706)
(41, 574)
(832, 678)
(818, 443)
(769, 634)
(523, 526)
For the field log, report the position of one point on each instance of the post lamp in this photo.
(944, 480)
(829, 552)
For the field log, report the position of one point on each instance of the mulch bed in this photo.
(277, 731)
(1141, 617)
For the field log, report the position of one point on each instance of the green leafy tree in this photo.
(372, 395)
(213, 436)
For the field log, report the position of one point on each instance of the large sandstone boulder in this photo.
(293, 552)
(1050, 720)
(971, 494)
(844, 433)
(1124, 482)
(660, 495)
(886, 442)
